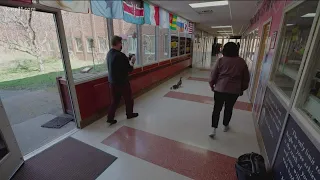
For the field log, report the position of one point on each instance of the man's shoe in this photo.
(112, 121)
(133, 115)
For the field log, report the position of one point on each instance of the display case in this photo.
(295, 37)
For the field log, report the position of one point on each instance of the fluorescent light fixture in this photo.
(209, 4)
(289, 24)
(309, 15)
(224, 31)
(221, 26)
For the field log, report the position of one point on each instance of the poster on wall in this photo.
(271, 122)
(297, 158)
(174, 46)
(182, 45)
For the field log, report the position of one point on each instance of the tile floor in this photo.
(169, 140)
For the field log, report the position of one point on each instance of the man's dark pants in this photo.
(118, 91)
(220, 99)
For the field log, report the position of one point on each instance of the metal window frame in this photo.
(63, 50)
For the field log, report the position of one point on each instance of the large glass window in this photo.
(164, 46)
(85, 31)
(148, 44)
(312, 103)
(296, 30)
(129, 35)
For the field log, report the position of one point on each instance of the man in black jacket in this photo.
(119, 66)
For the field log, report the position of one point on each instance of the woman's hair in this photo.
(230, 50)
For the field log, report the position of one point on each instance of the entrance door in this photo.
(10, 155)
(265, 33)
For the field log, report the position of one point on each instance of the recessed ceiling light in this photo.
(309, 15)
(209, 4)
(221, 26)
(289, 24)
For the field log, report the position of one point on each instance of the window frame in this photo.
(303, 88)
(105, 41)
(77, 46)
(278, 49)
(88, 43)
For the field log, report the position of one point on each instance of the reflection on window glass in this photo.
(312, 104)
(128, 32)
(297, 26)
(85, 30)
(148, 44)
(163, 47)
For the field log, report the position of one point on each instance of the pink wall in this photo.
(275, 12)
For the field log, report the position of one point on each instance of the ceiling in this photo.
(237, 14)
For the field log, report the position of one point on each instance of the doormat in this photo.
(57, 122)
(68, 159)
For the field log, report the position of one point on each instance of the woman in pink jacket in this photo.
(229, 78)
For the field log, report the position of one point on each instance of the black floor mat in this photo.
(57, 122)
(67, 160)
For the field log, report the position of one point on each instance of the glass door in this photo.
(10, 155)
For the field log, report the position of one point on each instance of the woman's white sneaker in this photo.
(226, 128)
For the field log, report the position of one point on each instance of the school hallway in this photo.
(169, 140)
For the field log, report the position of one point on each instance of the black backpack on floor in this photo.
(251, 167)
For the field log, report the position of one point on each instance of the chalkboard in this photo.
(298, 158)
(271, 122)
(174, 46)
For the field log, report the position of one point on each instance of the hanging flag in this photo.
(164, 18)
(151, 14)
(190, 28)
(107, 8)
(173, 21)
(25, 1)
(180, 24)
(68, 5)
(133, 11)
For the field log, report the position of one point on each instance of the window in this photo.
(90, 44)
(296, 30)
(69, 43)
(174, 43)
(89, 33)
(102, 44)
(79, 44)
(148, 44)
(132, 45)
(163, 47)
(182, 43)
(312, 103)
(128, 32)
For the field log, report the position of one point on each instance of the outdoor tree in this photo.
(27, 31)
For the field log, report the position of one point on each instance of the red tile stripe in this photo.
(205, 99)
(187, 160)
(198, 79)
